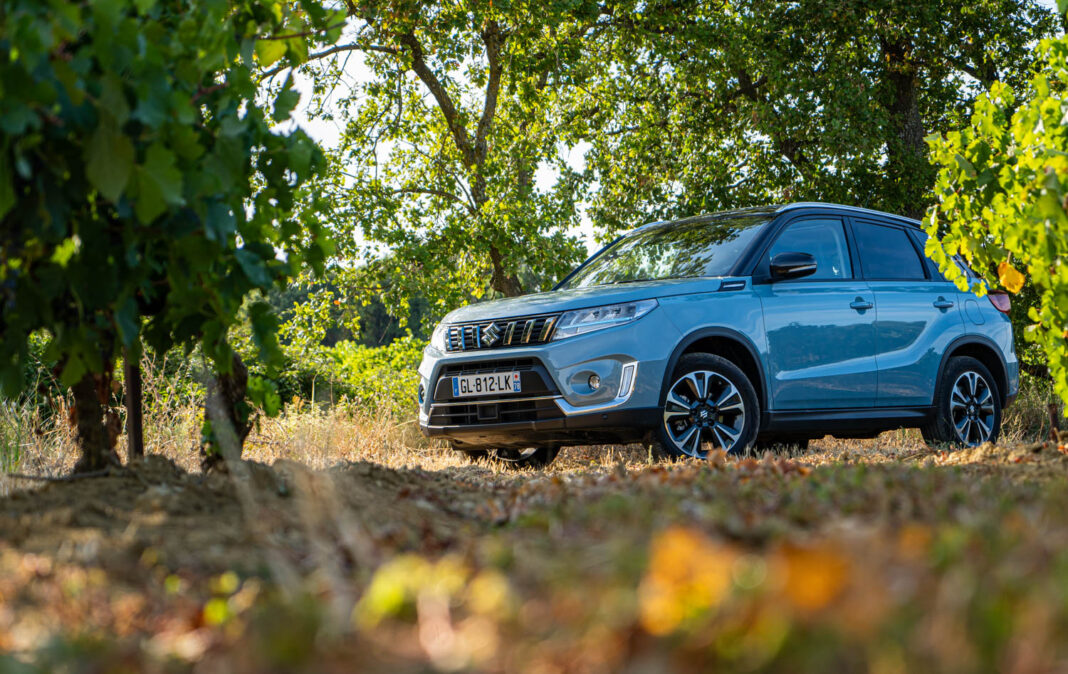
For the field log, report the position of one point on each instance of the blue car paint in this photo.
(817, 347)
(911, 334)
(820, 350)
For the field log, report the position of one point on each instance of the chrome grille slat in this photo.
(547, 328)
(519, 331)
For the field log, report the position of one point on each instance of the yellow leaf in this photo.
(1011, 279)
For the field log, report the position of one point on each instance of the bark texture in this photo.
(96, 424)
(228, 412)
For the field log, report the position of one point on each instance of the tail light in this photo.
(1000, 300)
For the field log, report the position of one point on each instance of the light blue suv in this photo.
(728, 331)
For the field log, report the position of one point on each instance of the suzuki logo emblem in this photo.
(490, 334)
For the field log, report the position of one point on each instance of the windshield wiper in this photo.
(634, 280)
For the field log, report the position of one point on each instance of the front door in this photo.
(820, 328)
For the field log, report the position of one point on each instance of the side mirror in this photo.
(790, 265)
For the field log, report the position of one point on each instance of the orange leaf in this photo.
(1011, 279)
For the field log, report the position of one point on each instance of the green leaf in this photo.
(73, 370)
(286, 101)
(66, 250)
(1062, 6)
(127, 321)
(263, 393)
(253, 267)
(113, 101)
(300, 154)
(11, 379)
(7, 188)
(110, 156)
(269, 51)
(159, 184)
(965, 166)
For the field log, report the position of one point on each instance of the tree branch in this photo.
(435, 193)
(331, 51)
(492, 39)
(437, 89)
(307, 33)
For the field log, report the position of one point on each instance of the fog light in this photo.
(595, 382)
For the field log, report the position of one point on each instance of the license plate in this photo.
(485, 384)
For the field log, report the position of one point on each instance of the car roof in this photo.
(849, 209)
(775, 210)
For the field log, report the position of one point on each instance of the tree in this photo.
(142, 189)
(704, 106)
(441, 146)
(1002, 199)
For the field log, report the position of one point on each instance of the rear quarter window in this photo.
(887, 253)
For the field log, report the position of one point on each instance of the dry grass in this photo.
(321, 437)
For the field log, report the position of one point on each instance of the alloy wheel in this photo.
(971, 407)
(704, 408)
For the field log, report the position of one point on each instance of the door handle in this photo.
(860, 304)
(943, 303)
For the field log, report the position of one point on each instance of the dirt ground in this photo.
(171, 569)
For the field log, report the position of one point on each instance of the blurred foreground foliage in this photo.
(933, 562)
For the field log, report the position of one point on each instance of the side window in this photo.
(886, 253)
(823, 239)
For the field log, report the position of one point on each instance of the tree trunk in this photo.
(503, 282)
(908, 171)
(135, 437)
(91, 421)
(226, 409)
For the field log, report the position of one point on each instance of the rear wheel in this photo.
(967, 405)
(710, 404)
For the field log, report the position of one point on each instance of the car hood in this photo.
(579, 298)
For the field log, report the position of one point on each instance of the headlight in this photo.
(581, 321)
(437, 340)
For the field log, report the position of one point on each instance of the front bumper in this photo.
(612, 427)
(557, 405)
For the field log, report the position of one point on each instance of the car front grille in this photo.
(522, 331)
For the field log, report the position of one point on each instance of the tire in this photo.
(515, 459)
(712, 395)
(967, 405)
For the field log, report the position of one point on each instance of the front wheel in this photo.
(967, 405)
(710, 404)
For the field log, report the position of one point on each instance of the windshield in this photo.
(677, 250)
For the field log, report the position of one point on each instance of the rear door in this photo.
(919, 312)
(820, 328)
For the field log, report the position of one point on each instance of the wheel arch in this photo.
(986, 352)
(724, 342)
